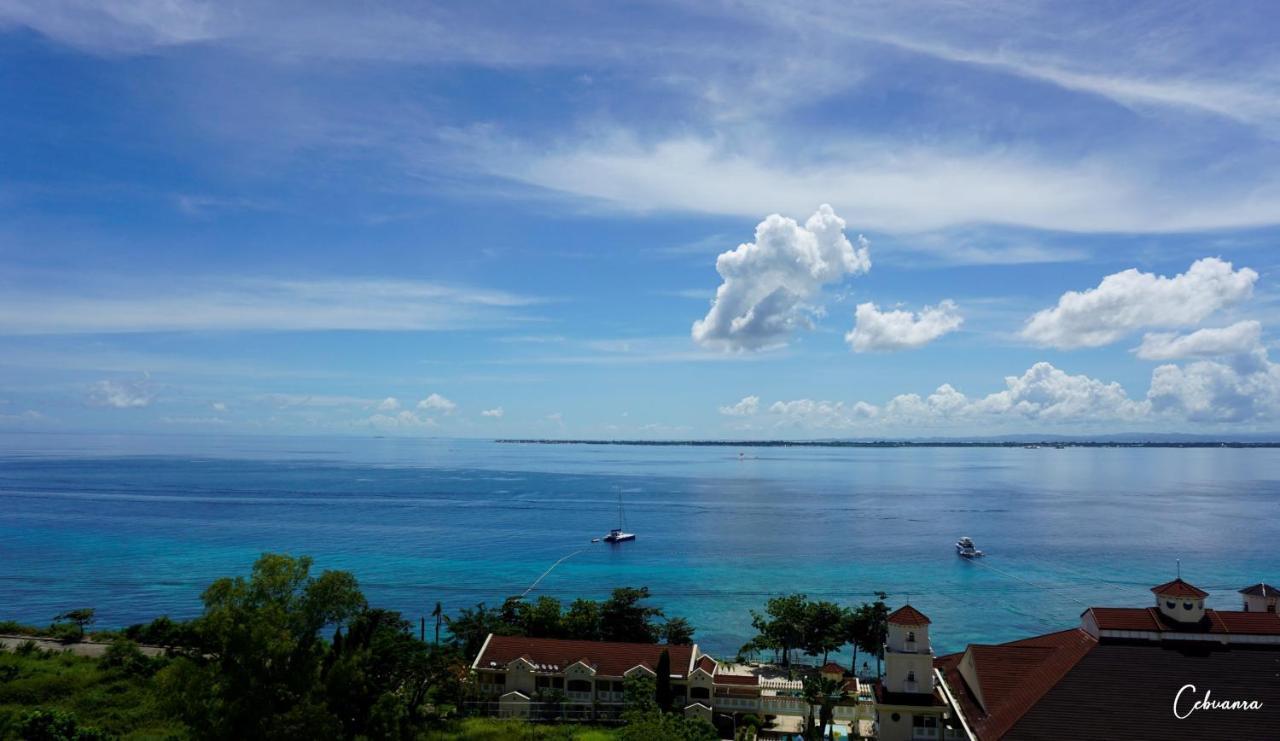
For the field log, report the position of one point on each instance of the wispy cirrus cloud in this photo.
(251, 304)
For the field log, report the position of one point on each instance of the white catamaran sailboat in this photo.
(617, 535)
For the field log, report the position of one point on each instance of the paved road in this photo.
(83, 648)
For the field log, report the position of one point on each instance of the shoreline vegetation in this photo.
(1030, 442)
(285, 653)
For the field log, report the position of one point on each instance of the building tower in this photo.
(1179, 601)
(908, 656)
(906, 704)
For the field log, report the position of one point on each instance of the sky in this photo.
(639, 220)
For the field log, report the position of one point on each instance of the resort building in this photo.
(910, 704)
(585, 680)
(1175, 670)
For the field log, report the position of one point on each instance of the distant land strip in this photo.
(906, 443)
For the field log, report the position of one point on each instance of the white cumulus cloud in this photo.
(120, 394)
(747, 406)
(768, 284)
(1131, 300)
(404, 420)
(1046, 392)
(389, 404)
(437, 403)
(496, 413)
(1213, 391)
(1239, 338)
(1231, 380)
(881, 331)
(1043, 393)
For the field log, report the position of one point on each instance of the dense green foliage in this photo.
(70, 626)
(621, 617)
(494, 729)
(47, 695)
(662, 683)
(260, 668)
(795, 623)
(654, 725)
(823, 694)
(285, 653)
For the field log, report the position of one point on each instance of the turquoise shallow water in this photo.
(136, 526)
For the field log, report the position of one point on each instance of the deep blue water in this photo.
(136, 526)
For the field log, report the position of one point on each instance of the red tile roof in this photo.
(1125, 690)
(608, 659)
(1215, 621)
(1127, 618)
(1249, 623)
(750, 679)
(1179, 588)
(1013, 677)
(832, 667)
(706, 664)
(908, 615)
(1261, 589)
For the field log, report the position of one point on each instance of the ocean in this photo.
(136, 526)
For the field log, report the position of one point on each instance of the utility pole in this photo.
(422, 628)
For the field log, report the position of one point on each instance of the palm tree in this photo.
(824, 693)
(438, 614)
(812, 693)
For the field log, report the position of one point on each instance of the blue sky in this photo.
(743, 219)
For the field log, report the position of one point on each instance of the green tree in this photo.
(822, 693)
(639, 693)
(71, 625)
(542, 618)
(56, 725)
(655, 725)
(623, 618)
(876, 615)
(662, 683)
(582, 620)
(677, 631)
(254, 675)
(472, 625)
(376, 676)
(781, 626)
(438, 614)
(823, 629)
(855, 625)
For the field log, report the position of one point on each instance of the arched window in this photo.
(911, 636)
(911, 676)
(1170, 604)
(1188, 605)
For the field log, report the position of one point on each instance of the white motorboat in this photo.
(618, 534)
(966, 549)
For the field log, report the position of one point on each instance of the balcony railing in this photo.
(578, 696)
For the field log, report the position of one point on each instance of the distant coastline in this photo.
(1036, 443)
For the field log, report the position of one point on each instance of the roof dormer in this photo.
(1260, 597)
(1180, 601)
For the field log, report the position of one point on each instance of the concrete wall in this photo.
(898, 667)
(1184, 610)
